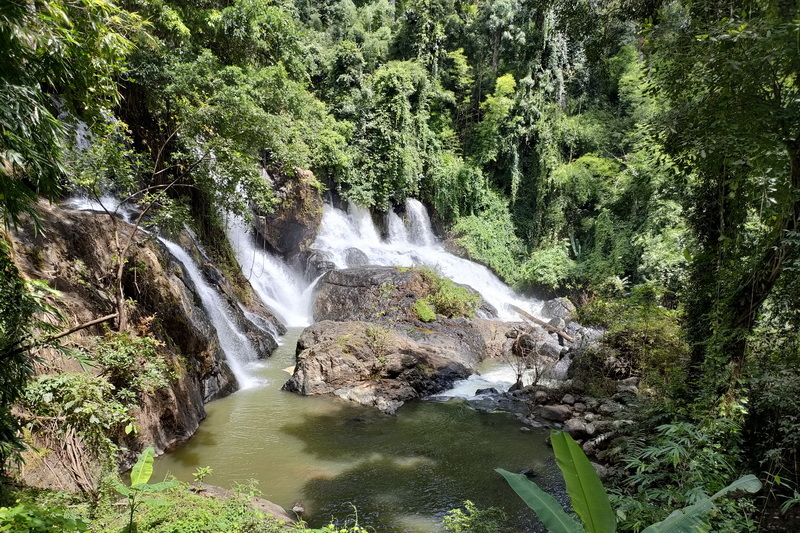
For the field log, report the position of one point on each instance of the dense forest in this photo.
(641, 157)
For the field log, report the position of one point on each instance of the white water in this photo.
(409, 244)
(105, 203)
(282, 289)
(239, 352)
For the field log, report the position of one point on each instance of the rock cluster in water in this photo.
(369, 347)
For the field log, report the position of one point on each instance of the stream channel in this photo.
(401, 473)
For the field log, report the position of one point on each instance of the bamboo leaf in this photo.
(586, 491)
(143, 469)
(545, 506)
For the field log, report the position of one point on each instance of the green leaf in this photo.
(545, 506)
(748, 483)
(586, 491)
(143, 469)
(119, 487)
(688, 519)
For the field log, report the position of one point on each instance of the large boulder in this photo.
(559, 308)
(368, 293)
(375, 293)
(297, 217)
(374, 365)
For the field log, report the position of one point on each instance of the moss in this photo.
(449, 299)
(424, 310)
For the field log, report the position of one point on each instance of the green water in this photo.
(402, 473)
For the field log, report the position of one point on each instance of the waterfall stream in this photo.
(409, 243)
(239, 352)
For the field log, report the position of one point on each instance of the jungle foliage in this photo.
(642, 157)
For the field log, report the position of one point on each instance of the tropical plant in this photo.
(140, 476)
(590, 500)
(27, 518)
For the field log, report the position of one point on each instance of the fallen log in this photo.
(542, 323)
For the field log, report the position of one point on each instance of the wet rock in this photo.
(557, 322)
(316, 264)
(568, 399)
(576, 428)
(490, 390)
(601, 470)
(609, 408)
(555, 413)
(373, 365)
(559, 308)
(355, 258)
(541, 396)
(579, 407)
(297, 217)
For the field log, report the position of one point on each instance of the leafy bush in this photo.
(182, 510)
(30, 518)
(547, 270)
(471, 519)
(424, 310)
(58, 404)
(593, 506)
(676, 464)
(488, 236)
(132, 361)
(449, 299)
(646, 338)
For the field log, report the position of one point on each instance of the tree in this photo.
(70, 48)
(729, 71)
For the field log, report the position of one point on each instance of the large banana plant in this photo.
(590, 500)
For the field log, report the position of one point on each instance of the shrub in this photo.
(30, 518)
(132, 361)
(471, 519)
(547, 270)
(424, 310)
(449, 299)
(644, 337)
(488, 237)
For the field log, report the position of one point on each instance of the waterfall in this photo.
(419, 224)
(235, 344)
(105, 203)
(396, 228)
(409, 244)
(282, 289)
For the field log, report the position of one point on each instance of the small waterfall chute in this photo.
(279, 287)
(238, 350)
(413, 245)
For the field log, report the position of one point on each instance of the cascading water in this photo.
(105, 203)
(238, 350)
(286, 292)
(410, 244)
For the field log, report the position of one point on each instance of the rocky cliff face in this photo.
(292, 226)
(74, 253)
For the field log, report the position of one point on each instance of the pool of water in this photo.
(401, 473)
